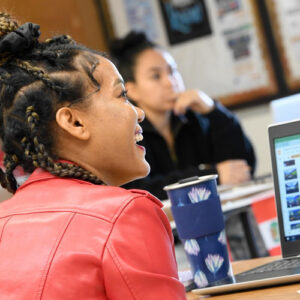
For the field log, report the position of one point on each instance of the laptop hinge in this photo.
(292, 256)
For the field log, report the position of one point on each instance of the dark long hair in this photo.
(36, 78)
(125, 52)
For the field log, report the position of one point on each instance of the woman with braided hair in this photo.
(69, 231)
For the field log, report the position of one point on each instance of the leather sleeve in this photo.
(139, 260)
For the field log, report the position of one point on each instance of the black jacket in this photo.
(198, 139)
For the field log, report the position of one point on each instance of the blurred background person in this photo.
(186, 133)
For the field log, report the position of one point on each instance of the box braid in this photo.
(36, 78)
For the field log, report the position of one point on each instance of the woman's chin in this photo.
(142, 172)
(146, 169)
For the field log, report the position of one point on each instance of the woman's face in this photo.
(157, 81)
(112, 121)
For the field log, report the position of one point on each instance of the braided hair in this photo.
(36, 79)
(125, 52)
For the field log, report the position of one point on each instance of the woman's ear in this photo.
(73, 122)
(132, 91)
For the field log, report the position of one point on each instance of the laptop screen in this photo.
(287, 154)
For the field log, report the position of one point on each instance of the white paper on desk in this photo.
(244, 191)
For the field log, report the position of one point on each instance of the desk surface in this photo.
(290, 292)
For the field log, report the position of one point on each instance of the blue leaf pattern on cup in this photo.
(222, 237)
(198, 194)
(214, 262)
(191, 247)
(200, 279)
(180, 203)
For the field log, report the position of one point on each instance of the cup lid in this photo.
(189, 181)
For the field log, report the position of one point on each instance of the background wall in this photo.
(255, 121)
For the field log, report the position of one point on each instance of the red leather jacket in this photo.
(69, 239)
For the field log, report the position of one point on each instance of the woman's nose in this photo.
(140, 113)
(169, 81)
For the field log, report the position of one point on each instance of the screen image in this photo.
(292, 187)
(290, 173)
(295, 226)
(287, 152)
(293, 201)
(289, 163)
(294, 215)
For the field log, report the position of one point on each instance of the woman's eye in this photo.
(124, 95)
(155, 76)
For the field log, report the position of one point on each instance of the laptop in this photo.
(284, 139)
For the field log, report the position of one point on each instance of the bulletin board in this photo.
(285, 21)
(230, 61)
(246, 65)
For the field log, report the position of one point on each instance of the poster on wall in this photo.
(235, 26)
(185, 19)
(286, 25)
(140, 17)
(227, 7)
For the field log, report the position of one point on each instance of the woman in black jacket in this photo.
(185, 132)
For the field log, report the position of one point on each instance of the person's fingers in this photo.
(181, 105)
(179, 110)
(242, 175)
(234, 171)
(241, 167)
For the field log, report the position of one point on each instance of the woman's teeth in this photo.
(138, 137)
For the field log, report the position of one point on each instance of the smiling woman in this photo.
(69, 231)
(106, 127)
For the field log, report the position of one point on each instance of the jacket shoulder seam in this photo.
(62, 210)
(129, 200)
(3, 227)
(47, 267)
(123, 274)
(114, 221)
(111, 250)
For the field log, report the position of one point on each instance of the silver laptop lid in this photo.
(285, 109)
(284, 141)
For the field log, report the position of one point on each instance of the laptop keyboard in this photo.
(282, 264)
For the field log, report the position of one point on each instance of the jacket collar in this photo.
(39, 175)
